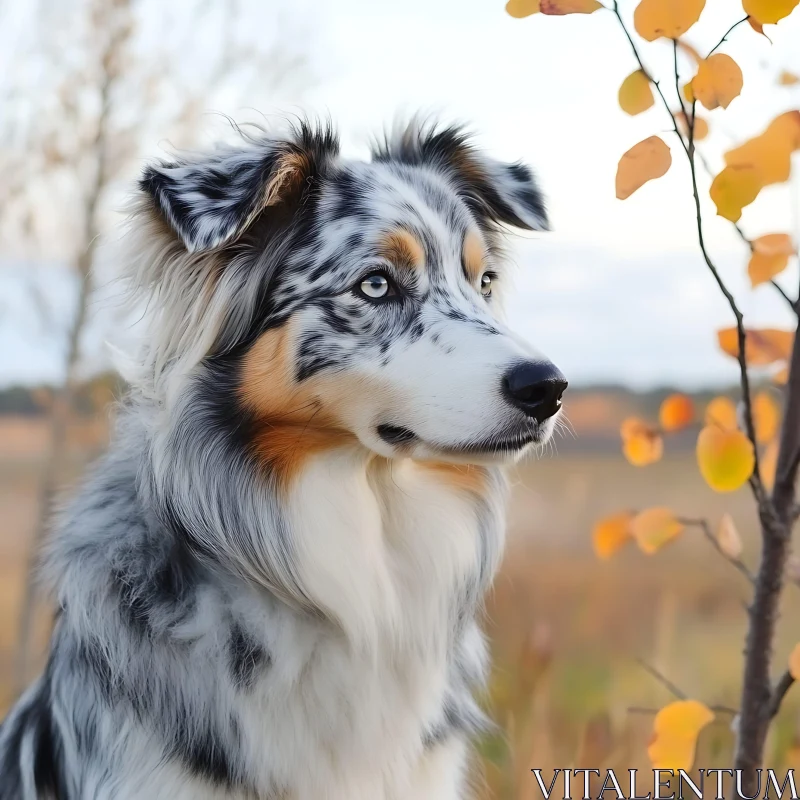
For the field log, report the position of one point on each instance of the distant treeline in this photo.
(32, 401)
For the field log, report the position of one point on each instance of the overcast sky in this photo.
(619, 291)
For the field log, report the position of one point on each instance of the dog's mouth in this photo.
(504, 444)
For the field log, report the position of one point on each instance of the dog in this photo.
(268, 588)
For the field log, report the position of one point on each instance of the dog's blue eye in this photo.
(486, 284)
(375, 286)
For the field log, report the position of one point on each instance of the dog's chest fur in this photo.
(377, 708)
(234, 694)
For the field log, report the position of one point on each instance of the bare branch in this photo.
(706, 529)
(664, 681)
(725, 37)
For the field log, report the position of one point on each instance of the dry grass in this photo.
(566, 629)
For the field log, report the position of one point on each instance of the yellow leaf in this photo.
(726, 458)
(794, 663)
(787, 79)
(728, 539)
(766, 417)
(522, 8)
(676, 412)
(770, 153)
(768, 11)
(641, 443)
(700, 125)
(635, 93)
(561, 7)
(688, 93)
(721, 412)
(763, 268)
(654, 19)
(649, 159)
(718, 81)
(675, 731)
(611, 533)
(653, 528)
(763, 346)
(733, 189)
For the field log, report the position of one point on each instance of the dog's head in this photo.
(324, 301)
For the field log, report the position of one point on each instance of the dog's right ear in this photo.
(210, 200)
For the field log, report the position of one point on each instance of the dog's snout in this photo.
(535, 387)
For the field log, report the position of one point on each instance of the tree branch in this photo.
(664, 681)
(727, 34)
(706, 529)
(792, 304)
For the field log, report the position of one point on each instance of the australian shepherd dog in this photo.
(268, 588)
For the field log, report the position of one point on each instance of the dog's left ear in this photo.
(211, 199)
(495, 191)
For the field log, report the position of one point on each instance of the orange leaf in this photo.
(653, 528)
(733, 189)
(611, 533)
(718, 81)
(635, 94)
(794, 663)
(641, 443)
(721, 412)
(522, 8)
(766, 417)
(763, 268)
(561, 7)
(772, 244)
(763, 346)
(700, 125)
(769, 464)
(676, 412)
(770, 152)
(757, 26)
(654, 19)
(787, 79)
(649, 159)
(768, 11)
(726, 458)
(728, 539)
(675, 731)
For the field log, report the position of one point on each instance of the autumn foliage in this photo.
(738, 442)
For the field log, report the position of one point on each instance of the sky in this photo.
(618, 292)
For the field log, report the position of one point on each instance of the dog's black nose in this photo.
(535, 387)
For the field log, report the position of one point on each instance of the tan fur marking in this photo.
(474, 255)
(289, 174)
(464, 477)
(296, 423)
(401, 247)
(287, 448)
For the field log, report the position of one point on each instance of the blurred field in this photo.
(566, 629)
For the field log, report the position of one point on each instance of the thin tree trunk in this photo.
(64, 400)
(777, 519)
